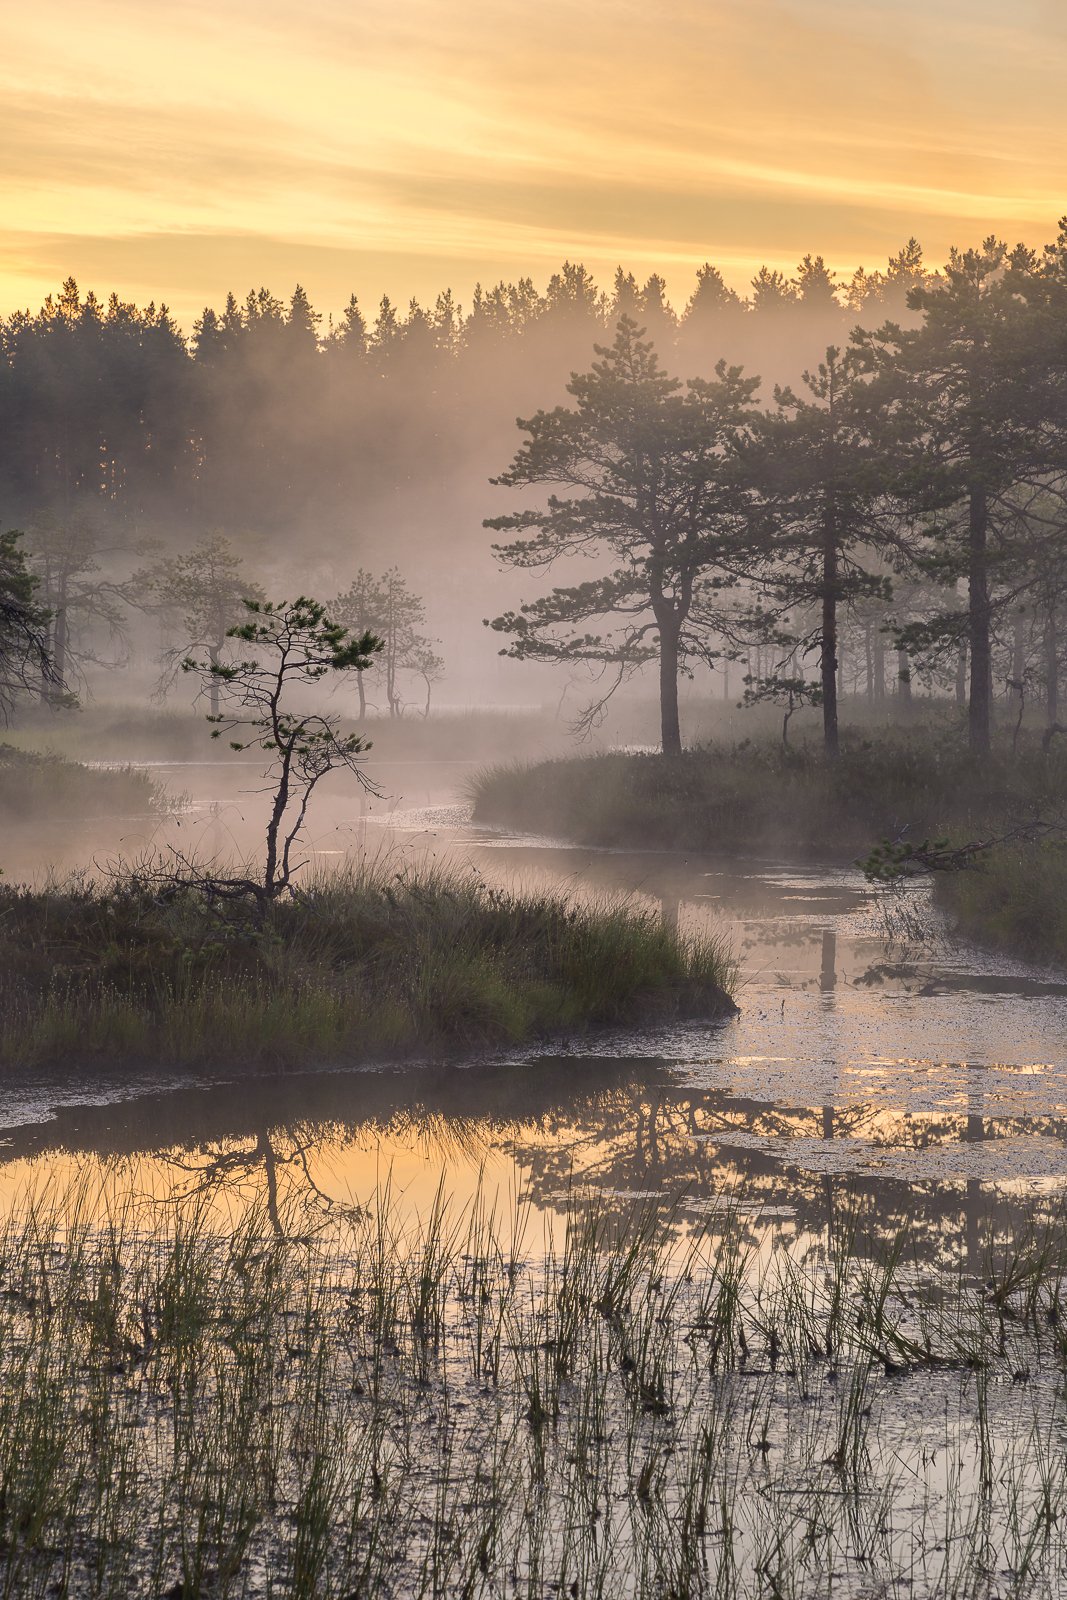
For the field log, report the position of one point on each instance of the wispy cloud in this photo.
(423, 141)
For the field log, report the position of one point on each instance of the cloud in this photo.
(428, 140)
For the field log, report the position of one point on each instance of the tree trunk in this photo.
(828, 662)
(1052, 666)
(361, 686)
(904, 681)
(48, 688)
(390, 682)
(59, 642)
(670, 728)
(1018, 659)
(978, 711)
(878, 657)
(213, 682)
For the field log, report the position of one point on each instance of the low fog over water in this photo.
(317, 447)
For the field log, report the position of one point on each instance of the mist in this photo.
(321, 444)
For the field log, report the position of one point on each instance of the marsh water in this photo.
(872, 1057)
(772, 1305)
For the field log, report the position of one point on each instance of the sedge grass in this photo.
(761, 797)
(274, 1406)
(1014, 900)
(383, 959)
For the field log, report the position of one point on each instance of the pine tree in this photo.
(964, 414)
(825, 499)
(655, 492)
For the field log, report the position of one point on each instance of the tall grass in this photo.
(380, 959)
(38, 788)
(1016, 900)
(396, 1406)
(750, 796)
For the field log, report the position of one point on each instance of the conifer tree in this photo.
(961, 410)
(654, 493)
(825, 499)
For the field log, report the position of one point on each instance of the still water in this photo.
(874, 1061)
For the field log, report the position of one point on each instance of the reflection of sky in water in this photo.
(867, 1045)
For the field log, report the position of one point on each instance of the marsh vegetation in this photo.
(375, 961)
(757, 796)
(1014, 900)
(50, 788)
(375, 1405)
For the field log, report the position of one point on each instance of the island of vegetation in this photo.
(177, 961)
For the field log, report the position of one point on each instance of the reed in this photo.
(199, 1404)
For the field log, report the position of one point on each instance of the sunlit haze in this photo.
(177, 151)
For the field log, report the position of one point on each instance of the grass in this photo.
(1015, 899)
(370, 1403)
(761, 798)
(364, 963)
(42, 788)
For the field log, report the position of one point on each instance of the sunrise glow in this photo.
(175, 152)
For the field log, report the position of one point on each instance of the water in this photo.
(884, 1094)
(870, 1051)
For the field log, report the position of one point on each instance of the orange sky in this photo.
(174, 149)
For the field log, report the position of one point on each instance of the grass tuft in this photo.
(367, 962)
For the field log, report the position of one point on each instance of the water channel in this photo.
(873, 1060)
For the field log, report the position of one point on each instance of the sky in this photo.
(175, 149)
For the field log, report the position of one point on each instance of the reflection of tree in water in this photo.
(665, 1139)
(256, 1167)
(660, 1144)
(573, 1126)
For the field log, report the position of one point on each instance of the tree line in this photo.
(919, 472)
(267, 415)
(875, 464)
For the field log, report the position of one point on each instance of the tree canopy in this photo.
(657, 492)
